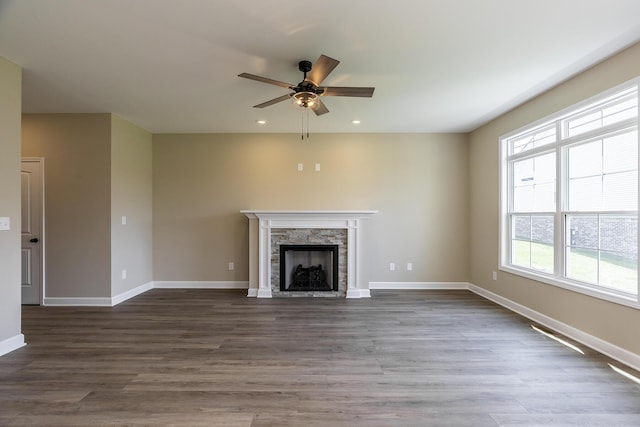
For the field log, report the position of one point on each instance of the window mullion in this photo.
(559, 222)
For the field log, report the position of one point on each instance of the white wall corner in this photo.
(604, 347)
(131, 293)
(11, 344)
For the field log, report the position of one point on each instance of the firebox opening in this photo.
(308, 268)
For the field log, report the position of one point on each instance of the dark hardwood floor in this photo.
(218, 358)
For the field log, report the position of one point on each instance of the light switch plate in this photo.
(5, 223)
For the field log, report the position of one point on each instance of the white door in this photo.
(32, 212)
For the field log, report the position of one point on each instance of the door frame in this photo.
(40, 161)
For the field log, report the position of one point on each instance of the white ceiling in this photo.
(172, 65)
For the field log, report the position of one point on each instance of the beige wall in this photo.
(610, 322)
(130, 197)
(10, 110)
(76, 149)
(418, 182)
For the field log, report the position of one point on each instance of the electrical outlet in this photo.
(317, 167)
(392, 266)
(409, 266)
(300, 167)
(5, 223)
(232, 266)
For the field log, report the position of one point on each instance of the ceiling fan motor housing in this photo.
(305, 66)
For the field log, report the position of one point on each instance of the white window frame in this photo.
(559, 147)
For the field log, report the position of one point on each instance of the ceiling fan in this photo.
(307, 93)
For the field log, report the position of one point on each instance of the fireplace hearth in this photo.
(308, 268)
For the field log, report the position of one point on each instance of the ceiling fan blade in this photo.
(321, 69)
(265, 80)
(320, 108)
(273, 101)
(365, 92)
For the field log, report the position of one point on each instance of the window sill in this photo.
(596, 293)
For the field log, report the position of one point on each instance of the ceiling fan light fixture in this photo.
(305, 99)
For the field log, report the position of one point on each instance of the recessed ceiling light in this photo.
(261, 122)
(355, 122)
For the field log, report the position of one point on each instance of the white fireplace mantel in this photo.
(262, 221)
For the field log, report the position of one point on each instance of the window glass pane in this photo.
(582, 265)
(621, 107)
(621, 153)
(542, 229)
(534, 184)
(521, 253)
(532, 243)
(584, 123)
(603, 250)
(521, 227)
(619, 272)
(522, 172)
(536, 138)
(620, 191)
(545, 167)
(523, 199)
(585, 194)
(585, 160)
(620, 164)
(544, 197)
(624, 109)
(521, 241)
(619, 252)
(542, 243)
(583, 231)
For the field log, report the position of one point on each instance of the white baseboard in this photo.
(199, 285)
(110, 302)
(10, 344)
(601, 346)
(77, 301)
(420, 285)
(252, 292)
(131, 293)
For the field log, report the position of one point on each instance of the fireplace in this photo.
(308, 268)
(270, 229)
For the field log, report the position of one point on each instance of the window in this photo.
(569, 198)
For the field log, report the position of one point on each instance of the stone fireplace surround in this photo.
(263, 222)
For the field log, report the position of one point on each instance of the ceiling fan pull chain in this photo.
(302, 127)
(307, 123)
